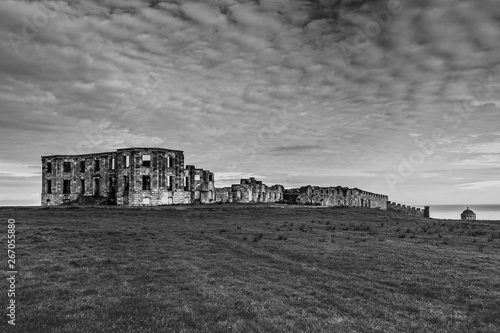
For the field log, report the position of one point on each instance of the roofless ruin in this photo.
(157, 176)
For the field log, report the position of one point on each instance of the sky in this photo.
(395, 97)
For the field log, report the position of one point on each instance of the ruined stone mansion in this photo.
(158, 176)
(129, 176)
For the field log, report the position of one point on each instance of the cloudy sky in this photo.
(396, 97)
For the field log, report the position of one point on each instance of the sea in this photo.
(452, 212)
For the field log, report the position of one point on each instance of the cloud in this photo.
(296, 148)
(428, 175)
(251, 18)
(479, 185)
(203, 14)
(16, 171)
(225, 179)
(479, 160)
(485, 147)
(266, 85)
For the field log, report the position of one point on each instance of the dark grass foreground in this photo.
(244, 268)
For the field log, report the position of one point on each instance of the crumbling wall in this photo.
(335, 197)
(130, 176)
(242, 193)
(250, 190)
(150, 176)
(372, 200)
(224, 195)
(157, 176)
(291, 195)
(200, 183)
(276, 193)
(74, 178)
(403, 209)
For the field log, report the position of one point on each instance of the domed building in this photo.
(468, 215)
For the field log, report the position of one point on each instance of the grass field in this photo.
(250, 268)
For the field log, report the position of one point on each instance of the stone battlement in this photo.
(403, 209)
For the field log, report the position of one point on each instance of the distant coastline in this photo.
(16, 203)
(452, 212)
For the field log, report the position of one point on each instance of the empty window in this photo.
(66, 166)
(211, 177)
(112, 163)
(49, 186)
(186, 182)
(82, 186)
(169, 182)
(97, 186)
(126, 183)
(67, 186)
(146, 183)
(97, 165)
(111, 184)
(196, 177)
(146, 160)
(49, 167)
(82, 166)
(169, 161)
(126, 161)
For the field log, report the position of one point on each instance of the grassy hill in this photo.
(251, 268)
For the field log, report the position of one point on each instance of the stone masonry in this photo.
(157, 176)
(200, 184)
(130, 176)
(250, 190)
(335, 197)
(405, 210)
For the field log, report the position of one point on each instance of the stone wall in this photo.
(150, 176)
(130, 176)
(250, 190)
(403, 209)
(223, 194)
(276, 193)
(157, 176)
(200, 183)
(335, 197)
(89, 175)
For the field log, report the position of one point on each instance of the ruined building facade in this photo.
(250, 190)
(129, 176)
(335, 197)
(157, 176)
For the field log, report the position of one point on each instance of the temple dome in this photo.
(468, 214)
